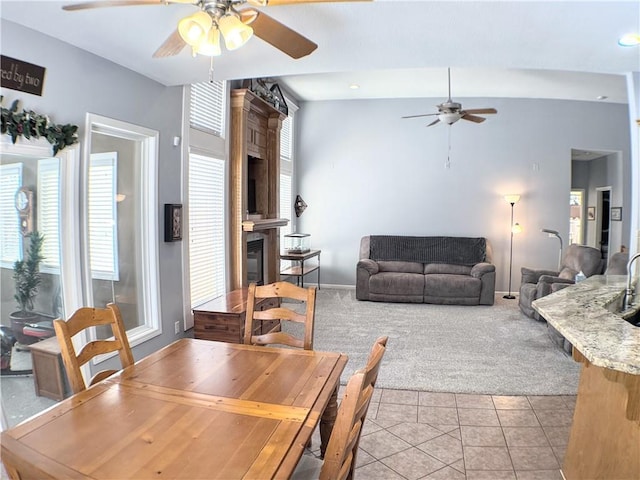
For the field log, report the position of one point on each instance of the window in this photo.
(48, 206)
(10, 244)
(206, 228)
(286, 177)
(207, 107)
(103, 221)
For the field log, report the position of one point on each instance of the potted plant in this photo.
(26, 274)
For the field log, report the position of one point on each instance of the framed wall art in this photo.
(616, 214)
(591, 213)
(172, 222)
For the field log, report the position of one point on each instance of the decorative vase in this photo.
(18, 321)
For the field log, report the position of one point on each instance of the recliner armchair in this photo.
(538, 283)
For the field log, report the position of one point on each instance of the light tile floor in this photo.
(445, 436)
(411, 435)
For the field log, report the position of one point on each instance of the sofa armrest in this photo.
(531, 275)
(369, 265)
(364, 269)
(553, 279)
(479, 269)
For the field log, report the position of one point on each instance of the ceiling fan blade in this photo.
(473, 118)
(422, 115)
(434, 122)
(173, 45)
(481, 110)
(277, 34)
(291, 2)
(119, 3)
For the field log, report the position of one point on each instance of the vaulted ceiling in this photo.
(537, 49)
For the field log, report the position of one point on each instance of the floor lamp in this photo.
(554, 233)
(511, 199)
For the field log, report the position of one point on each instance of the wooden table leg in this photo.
(327, 421)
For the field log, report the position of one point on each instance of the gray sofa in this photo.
(443, 270)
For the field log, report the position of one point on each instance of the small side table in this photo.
(222, 319)
(48, 371)
(299, 269)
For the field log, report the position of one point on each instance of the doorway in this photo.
(603, 219)
(576, 217)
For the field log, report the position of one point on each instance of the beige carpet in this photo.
(442, 348)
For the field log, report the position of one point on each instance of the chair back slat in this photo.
(340, 457)
(280, 290)
(82, 319)
(280, 313)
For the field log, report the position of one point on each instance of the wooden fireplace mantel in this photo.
(263, 224)
(255, 154)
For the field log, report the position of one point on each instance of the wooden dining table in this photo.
(196, 409)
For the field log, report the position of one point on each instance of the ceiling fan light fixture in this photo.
(210, 45)
(629, 40)
(194, 28)
(234, 32)
(449, 118)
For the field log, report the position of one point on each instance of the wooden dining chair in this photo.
(280, 290)
(82, 319)
(340, 457)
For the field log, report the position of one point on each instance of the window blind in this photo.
(207, 107)
(206, 228)
(49, 210)
(103, 219)
(10, 182)
(286, 140)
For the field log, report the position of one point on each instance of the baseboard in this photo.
(331, 285)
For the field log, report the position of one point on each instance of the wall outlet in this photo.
(177, 327)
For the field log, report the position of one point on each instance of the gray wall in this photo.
(78, 82)
(364, 170)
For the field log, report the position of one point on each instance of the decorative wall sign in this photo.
(21, 76)
(172, 222)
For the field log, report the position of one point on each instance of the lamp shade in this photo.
(235, 32)
(517, 228)
(210, 45)
(193, 29)
(512, 198)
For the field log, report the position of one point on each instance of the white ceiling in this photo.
(535, 49)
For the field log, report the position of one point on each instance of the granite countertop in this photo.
(582, 314)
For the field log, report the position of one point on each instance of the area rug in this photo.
(446, 348)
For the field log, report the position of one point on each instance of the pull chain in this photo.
(447, 164)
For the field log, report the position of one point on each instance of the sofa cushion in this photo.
(394, 283)
(452, 286)
(567, 273)
(430, 268)
(400, 267)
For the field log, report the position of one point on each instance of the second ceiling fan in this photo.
(450, 112)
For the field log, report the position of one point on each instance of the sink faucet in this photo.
(629, 293)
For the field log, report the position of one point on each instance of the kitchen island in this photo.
(605, 435)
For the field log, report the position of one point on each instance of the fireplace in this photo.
(255, 261)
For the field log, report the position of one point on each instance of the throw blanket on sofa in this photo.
(449, 250)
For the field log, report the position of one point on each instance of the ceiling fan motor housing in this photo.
(450, 107)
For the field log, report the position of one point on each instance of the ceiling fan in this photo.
(215, 18)
(450, 112)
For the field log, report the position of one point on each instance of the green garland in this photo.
(29, 124)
